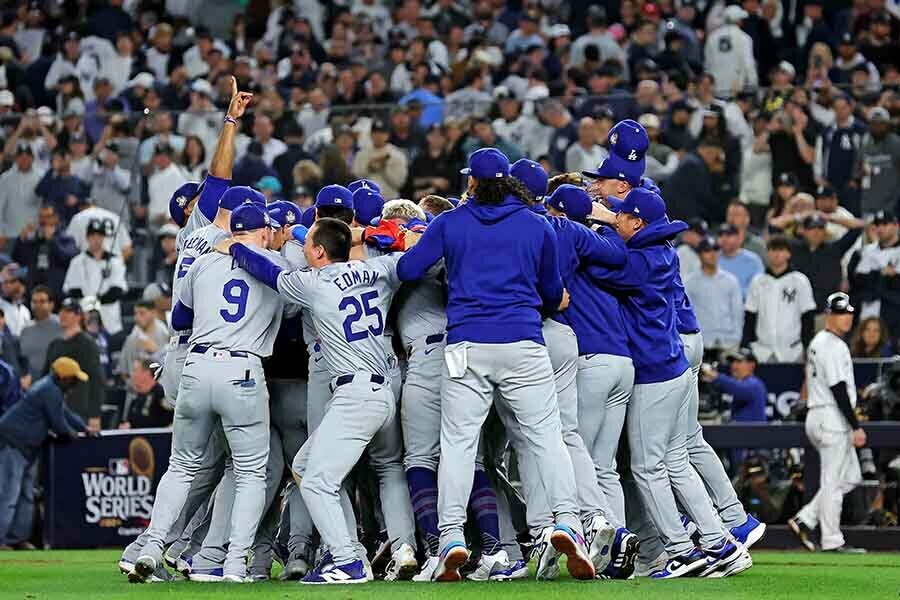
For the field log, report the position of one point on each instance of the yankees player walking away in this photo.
(494, 343)
(223, 381)
(832, 428)
(348, 301)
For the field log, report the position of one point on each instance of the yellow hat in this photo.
(67, 367)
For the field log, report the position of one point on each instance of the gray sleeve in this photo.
(297, 286)
(387, 266)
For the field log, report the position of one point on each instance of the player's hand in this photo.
(602, 214)
(224, 246)
(859, 438)
(564, 303)
(239, 100)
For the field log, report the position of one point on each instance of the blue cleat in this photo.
(452, 557)
(332, 574)
(516, 570)
(682, 565)
(750, 532)
(719, 558)
(207, 575)
(624, 554)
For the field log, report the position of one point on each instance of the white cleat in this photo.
(547, 556)
(125, 566)
(403, 565)
(236, 579)
(600, 536)
(428, 569)
(491, 567)
(739, 565)
(644, 569)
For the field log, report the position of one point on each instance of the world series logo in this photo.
(120, 494)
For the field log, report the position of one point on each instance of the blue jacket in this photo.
(684, 310)
(502, 270)
(645, 287)
(25, 425)
(748, 397)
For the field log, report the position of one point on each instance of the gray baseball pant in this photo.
(703, 458)
(660, 465)
(605, 383)
(420, 411)
(522, 374)
(218, 386)
(357, 412)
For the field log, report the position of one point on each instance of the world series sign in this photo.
(100, 492)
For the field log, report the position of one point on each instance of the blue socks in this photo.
(423, 493)
(483, 504)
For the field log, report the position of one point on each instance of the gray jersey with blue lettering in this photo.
(232, 310)
(292, 251)
(349, 303)
(422, 306)
(201, 242)
(196, 221)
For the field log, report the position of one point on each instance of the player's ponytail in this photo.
(494, 191)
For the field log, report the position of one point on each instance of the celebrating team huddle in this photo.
(553, 324)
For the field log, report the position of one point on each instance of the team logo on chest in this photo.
(789, 295)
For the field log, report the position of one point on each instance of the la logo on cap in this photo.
(632, 155)
(290, 216)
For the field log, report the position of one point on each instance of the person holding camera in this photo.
(832, 428)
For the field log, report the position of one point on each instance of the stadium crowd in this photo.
(773, 127)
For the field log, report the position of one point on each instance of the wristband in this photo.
(231, 120)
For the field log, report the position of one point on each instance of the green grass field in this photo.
(60, 575)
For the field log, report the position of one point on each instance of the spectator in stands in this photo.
(27, 424)
(586, 153)
(748, 392)
(163, 127)
(482, 135)
(110, 182)
(146, 341)
(337, 158)
(118, 238)
(10, 350)
(716, 296)
(43, 329)
(565, 132)
(10, 387)
(75, 344)
(878, 164)
(284, 163)
(738, 215)
(729, 55)
(692, 187)
(756, 172)
(780, 308)
(597, 35)
(785, 188)
(13, 298)
(827, 204)
(838, 147)
(432, 171)
(518, 128)
(792, 139)
(165, 257)
(263, 133)
(877, 274)
(819, 259)
(382, 162)
(661, 159)
(166, 178)
(870, 340)
(470, 100)
(689, 262)
(60, 188)
(742, 263)
(146, 400)
(19, 201)
(96, 273)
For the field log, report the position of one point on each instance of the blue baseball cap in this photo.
(308, 217)
(572, 200)
(532, 175)
(487, 163)
(335, 195)
(181, 198)
(641, 203)
(286, 213)
(364, 184)
(615, 167)
(248, 217)
(628, 140)
(368, 204)
(269, 182)
(235, 196)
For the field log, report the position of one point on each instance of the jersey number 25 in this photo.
(357, 308)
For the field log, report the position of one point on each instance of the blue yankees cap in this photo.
(248, 217)
(364, 184)
(286, 213)
(572, 200)
(532, 175)
(641, 203)
(368, 204)
(235, 196)
(308, 217)
(181, 198)
(335, 195)
(487, 163)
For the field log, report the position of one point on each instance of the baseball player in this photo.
(223, 381)
(348, 301)
(494, 343)
(832, 428)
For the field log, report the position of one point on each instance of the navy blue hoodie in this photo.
(502, 270)
(646, 289)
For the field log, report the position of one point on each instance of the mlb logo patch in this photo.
(119, 466)
(613, 139)
(181, 201)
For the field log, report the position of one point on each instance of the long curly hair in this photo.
(493, 191)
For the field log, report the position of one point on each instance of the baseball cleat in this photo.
(210, 575)
(403, 565)
(125, 566)
(516, 570)
(332, 574)
(231, 578)
(258, 575)
(547, 556)
(570, 543)
(845, 549)
(720, 558)
(428, 569)
(803, 533)
(750, 532)
(682, 565)
(452, 558)
(600, 536)
(382, 557)
(739, 565)
(184, 565)
(646, 569)
(490, 567)
(624, 553)
(691, 529)
(295, 569)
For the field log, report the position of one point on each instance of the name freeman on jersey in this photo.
(349, 280)
(198, 243)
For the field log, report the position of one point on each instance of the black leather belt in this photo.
(345, 379)
(201, 349)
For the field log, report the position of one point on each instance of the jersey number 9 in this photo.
(235, 293)
(357, 309)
